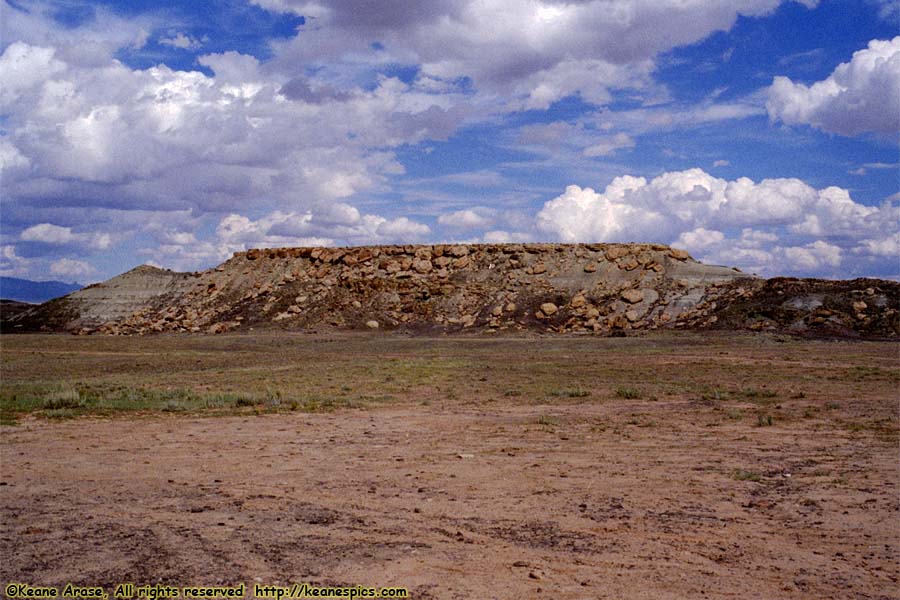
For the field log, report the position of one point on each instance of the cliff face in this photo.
(597, 288)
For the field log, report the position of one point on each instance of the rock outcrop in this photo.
(10, 308)
(592, 288)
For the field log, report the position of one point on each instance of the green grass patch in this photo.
(885, 429)
(577, 392)
(735, 414)
(742, 475)
(68, 401)
(758, 394)
(8, 419)
(868, 373)
(716, 395)
(61, 413)
(68, 398)
(764, 420)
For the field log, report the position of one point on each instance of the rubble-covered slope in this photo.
(599, 288)
(9, 308)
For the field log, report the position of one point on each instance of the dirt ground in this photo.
(677, 466)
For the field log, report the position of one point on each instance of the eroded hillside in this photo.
(596, 288)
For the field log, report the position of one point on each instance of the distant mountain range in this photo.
(35, 292)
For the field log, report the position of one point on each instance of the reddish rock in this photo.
(422, 266)
(616, 252)
(549, 309)
(633, 296)
(461, 262)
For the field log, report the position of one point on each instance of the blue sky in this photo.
(755, 133)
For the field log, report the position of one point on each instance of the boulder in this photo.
(633, 296)
(616, 252)
(617, 322)
(422, 265)
(549, 309)
(629, 265)
(365, 255)
(461, 263)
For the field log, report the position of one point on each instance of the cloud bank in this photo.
(775, 226)
(860, 96)
(306, 146)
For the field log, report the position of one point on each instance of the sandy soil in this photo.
(583, 498)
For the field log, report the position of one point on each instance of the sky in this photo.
(761, 134)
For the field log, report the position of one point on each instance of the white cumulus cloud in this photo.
(182, 41)
(466, 219)
(13, 265)
(775, 226)
(531, 51)
(860, 96)
(70, 268)
(48, 233)
(699, 239)
(813, 256)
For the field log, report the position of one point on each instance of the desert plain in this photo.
(663, 465)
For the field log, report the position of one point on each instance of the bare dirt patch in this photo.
(658, 467)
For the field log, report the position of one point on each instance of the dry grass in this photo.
(762, 380)
(677, 465)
